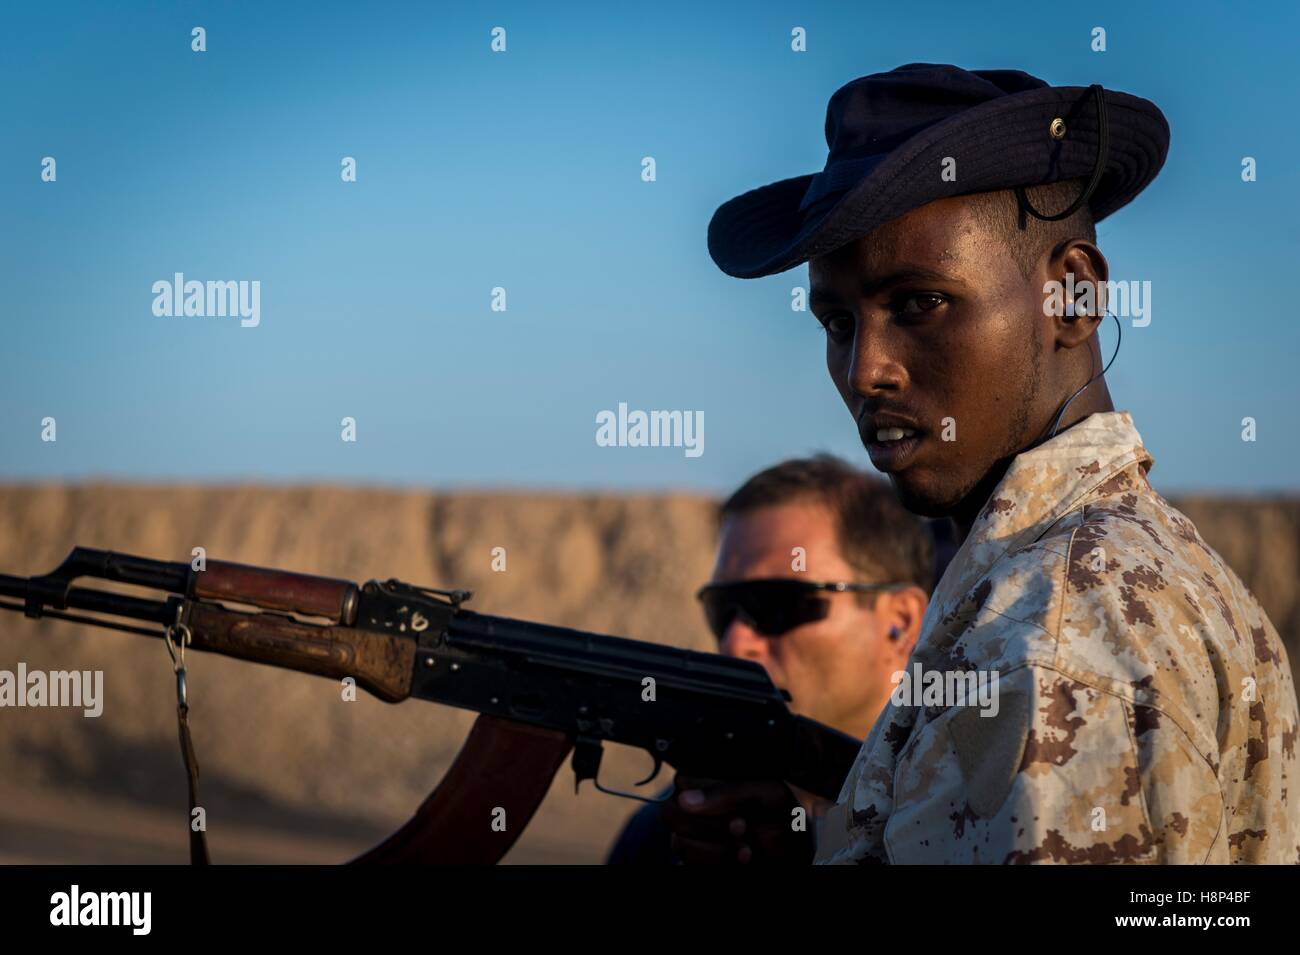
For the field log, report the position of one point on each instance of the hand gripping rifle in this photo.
(541, 691)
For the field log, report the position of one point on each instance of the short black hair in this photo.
(1000, 212)
(876, 534)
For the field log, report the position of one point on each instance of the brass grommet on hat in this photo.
(1057, 130)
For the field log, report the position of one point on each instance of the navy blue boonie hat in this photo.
(888, 134)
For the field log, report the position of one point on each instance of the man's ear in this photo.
(1080, 271)
(901, 612)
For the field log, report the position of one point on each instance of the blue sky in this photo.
(522, 170)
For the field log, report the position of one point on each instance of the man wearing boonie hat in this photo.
(1143, 708)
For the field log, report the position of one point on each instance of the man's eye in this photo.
(839, 327)
(919, 303)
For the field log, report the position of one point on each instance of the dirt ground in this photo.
(291, 772)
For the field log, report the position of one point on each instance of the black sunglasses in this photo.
(774, 605)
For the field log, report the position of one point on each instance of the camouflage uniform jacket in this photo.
(1146, 711)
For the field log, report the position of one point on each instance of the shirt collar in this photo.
(1041, 486)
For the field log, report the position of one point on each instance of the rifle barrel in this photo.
(99, 601)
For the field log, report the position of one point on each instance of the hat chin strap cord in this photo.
(1098, 169)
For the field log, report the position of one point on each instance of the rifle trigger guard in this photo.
(586, 765)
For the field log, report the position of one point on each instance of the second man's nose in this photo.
(742, 641)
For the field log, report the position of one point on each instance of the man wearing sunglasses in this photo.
(1145, 708)
(822, 577)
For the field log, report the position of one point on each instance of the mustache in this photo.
(874, 416)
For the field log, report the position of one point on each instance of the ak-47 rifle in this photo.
(541, 690)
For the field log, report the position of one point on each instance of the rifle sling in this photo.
(198, 834)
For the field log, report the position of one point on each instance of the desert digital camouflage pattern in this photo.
(1146, 708)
